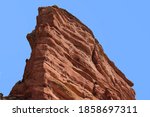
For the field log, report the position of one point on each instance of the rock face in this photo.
(67, 62)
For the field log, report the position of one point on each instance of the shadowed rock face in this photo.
(9, 97)
(67, 62)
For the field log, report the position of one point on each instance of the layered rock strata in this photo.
(68, 63)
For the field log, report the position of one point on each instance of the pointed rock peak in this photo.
(67, 62)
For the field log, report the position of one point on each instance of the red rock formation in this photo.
(67, 62)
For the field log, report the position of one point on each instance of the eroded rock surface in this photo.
(67, 62)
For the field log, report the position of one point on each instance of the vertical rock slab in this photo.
(67, 62)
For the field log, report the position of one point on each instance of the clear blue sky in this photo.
(121, 26)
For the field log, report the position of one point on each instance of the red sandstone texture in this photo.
(68, 63)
